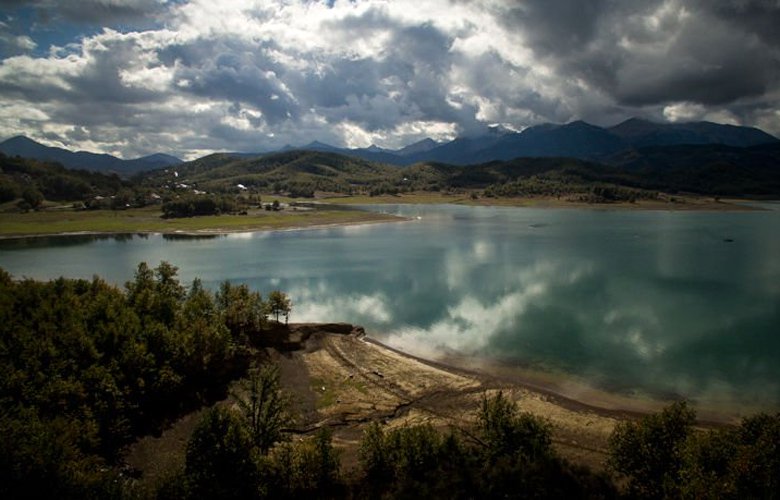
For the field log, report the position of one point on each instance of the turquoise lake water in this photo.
(647, 302)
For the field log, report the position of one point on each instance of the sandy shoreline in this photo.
(566, 390)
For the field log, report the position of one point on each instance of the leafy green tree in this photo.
(707, 460)
(305, 468)
(415, 461)
(650, 452)
(374, 455)
(505, 431)
(156, 295)
(32, 196)
(41, 458)
(243, 310)
(280, 305)
(202, 335)
(170, 293)
(264, 406)
(756, 466)
(219, 460)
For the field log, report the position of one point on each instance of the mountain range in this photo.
(706, 169)
(580, 140)
(28, 148)
(577, 139)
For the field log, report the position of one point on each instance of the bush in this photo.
(309, 468)
(9, 191)
(505, 431)
(650, 452)
(662, 456)
(32, 197)
(195, 205)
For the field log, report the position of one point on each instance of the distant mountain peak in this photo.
(422, 146)
(580, 124)
(21, 139)
(319, 146)
(101, 162)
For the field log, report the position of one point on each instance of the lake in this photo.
(641, 303)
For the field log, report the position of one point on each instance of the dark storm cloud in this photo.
(650, 53)
(90, 11)
(556, 26)
(759, 17)
(235, 71)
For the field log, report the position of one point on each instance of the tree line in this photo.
(506, 453)
(31, 181)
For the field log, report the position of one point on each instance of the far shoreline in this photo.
(333, 201)
(671, 203)
(203, 233)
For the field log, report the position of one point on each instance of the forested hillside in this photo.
(706, 170)
(36, 180)
(228, 183)
(86, 367)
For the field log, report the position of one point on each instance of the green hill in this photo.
(299, 172)
(53, 181)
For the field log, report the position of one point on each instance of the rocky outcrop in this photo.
(296, 336)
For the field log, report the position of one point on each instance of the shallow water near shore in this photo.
(637, 303)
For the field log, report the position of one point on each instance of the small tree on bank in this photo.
(280, 305)
(506, 431)
(264, 407)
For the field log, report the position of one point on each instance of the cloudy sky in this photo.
(187, 77)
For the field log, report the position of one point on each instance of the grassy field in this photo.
(150, 220)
